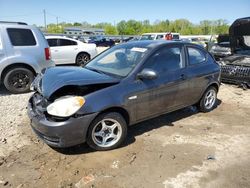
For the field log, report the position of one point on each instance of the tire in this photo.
(107, 132)
(18, 80)
(82, 59)
(209, 100)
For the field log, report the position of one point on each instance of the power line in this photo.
(62, 18)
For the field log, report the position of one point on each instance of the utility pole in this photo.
(44, 17)
(57, 24)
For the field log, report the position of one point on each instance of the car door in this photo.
(197, 71)
(65, 52)
(164, 93)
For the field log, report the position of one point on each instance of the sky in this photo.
(113, 11)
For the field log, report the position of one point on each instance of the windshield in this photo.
(117, 61)
(147, 37)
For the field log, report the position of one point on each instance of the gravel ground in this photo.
(181, 149)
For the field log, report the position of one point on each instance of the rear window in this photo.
(65, 42)
(21, 37)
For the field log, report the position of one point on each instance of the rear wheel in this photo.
(82, 59)
(107, 131)
(18, 80)
(208, 100)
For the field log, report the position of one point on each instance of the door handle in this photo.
(76, 49)
(55, 50)
(183, 77)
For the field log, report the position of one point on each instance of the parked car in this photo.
(24, 52)
(65, 50)
(160, 36)
(236, 67)
(101, 41)
(124, 85)
(222, 48)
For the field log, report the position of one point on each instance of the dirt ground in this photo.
(182, 149)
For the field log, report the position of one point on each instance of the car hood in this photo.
(57, 77)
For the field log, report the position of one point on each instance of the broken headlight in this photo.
(65, 106)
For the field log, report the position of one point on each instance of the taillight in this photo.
(47, 54)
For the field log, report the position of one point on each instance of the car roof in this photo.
(153, 43)
(162, 33)
(155, 33)
(58, 37)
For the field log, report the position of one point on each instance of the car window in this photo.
(166, 59)
(21, 37)
(195, 56)
(52, 42)
(65, 42)
(159, 37)
(176, 37)
(147, 37)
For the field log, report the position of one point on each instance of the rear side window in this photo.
(195, 56)
(52, 42)
(21, 37)
(65, 42)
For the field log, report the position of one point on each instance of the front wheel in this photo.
(208, 100)
(107, 131)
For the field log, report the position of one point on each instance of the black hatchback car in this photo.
(126, 84)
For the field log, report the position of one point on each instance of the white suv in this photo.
(65, 50)
(160, 36)
(24, 52)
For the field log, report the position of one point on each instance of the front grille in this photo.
(235, 71)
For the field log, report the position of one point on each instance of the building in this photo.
(83, 31)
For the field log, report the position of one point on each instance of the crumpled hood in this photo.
(57, 77)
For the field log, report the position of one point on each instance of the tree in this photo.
(77, 24)
(121, 27)
(134, 27)
(110, 30)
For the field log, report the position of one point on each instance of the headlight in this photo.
(213, 48)
(65, 106)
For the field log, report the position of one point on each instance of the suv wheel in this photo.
(82, 59)
(208, 100)
(107, 132)
(18, 80)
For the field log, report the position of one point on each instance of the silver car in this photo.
(24, 52)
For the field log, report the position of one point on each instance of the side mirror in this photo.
(147, 74)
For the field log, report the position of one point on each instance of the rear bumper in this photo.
(61, 134)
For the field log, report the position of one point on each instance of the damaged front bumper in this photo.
(63, 133)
